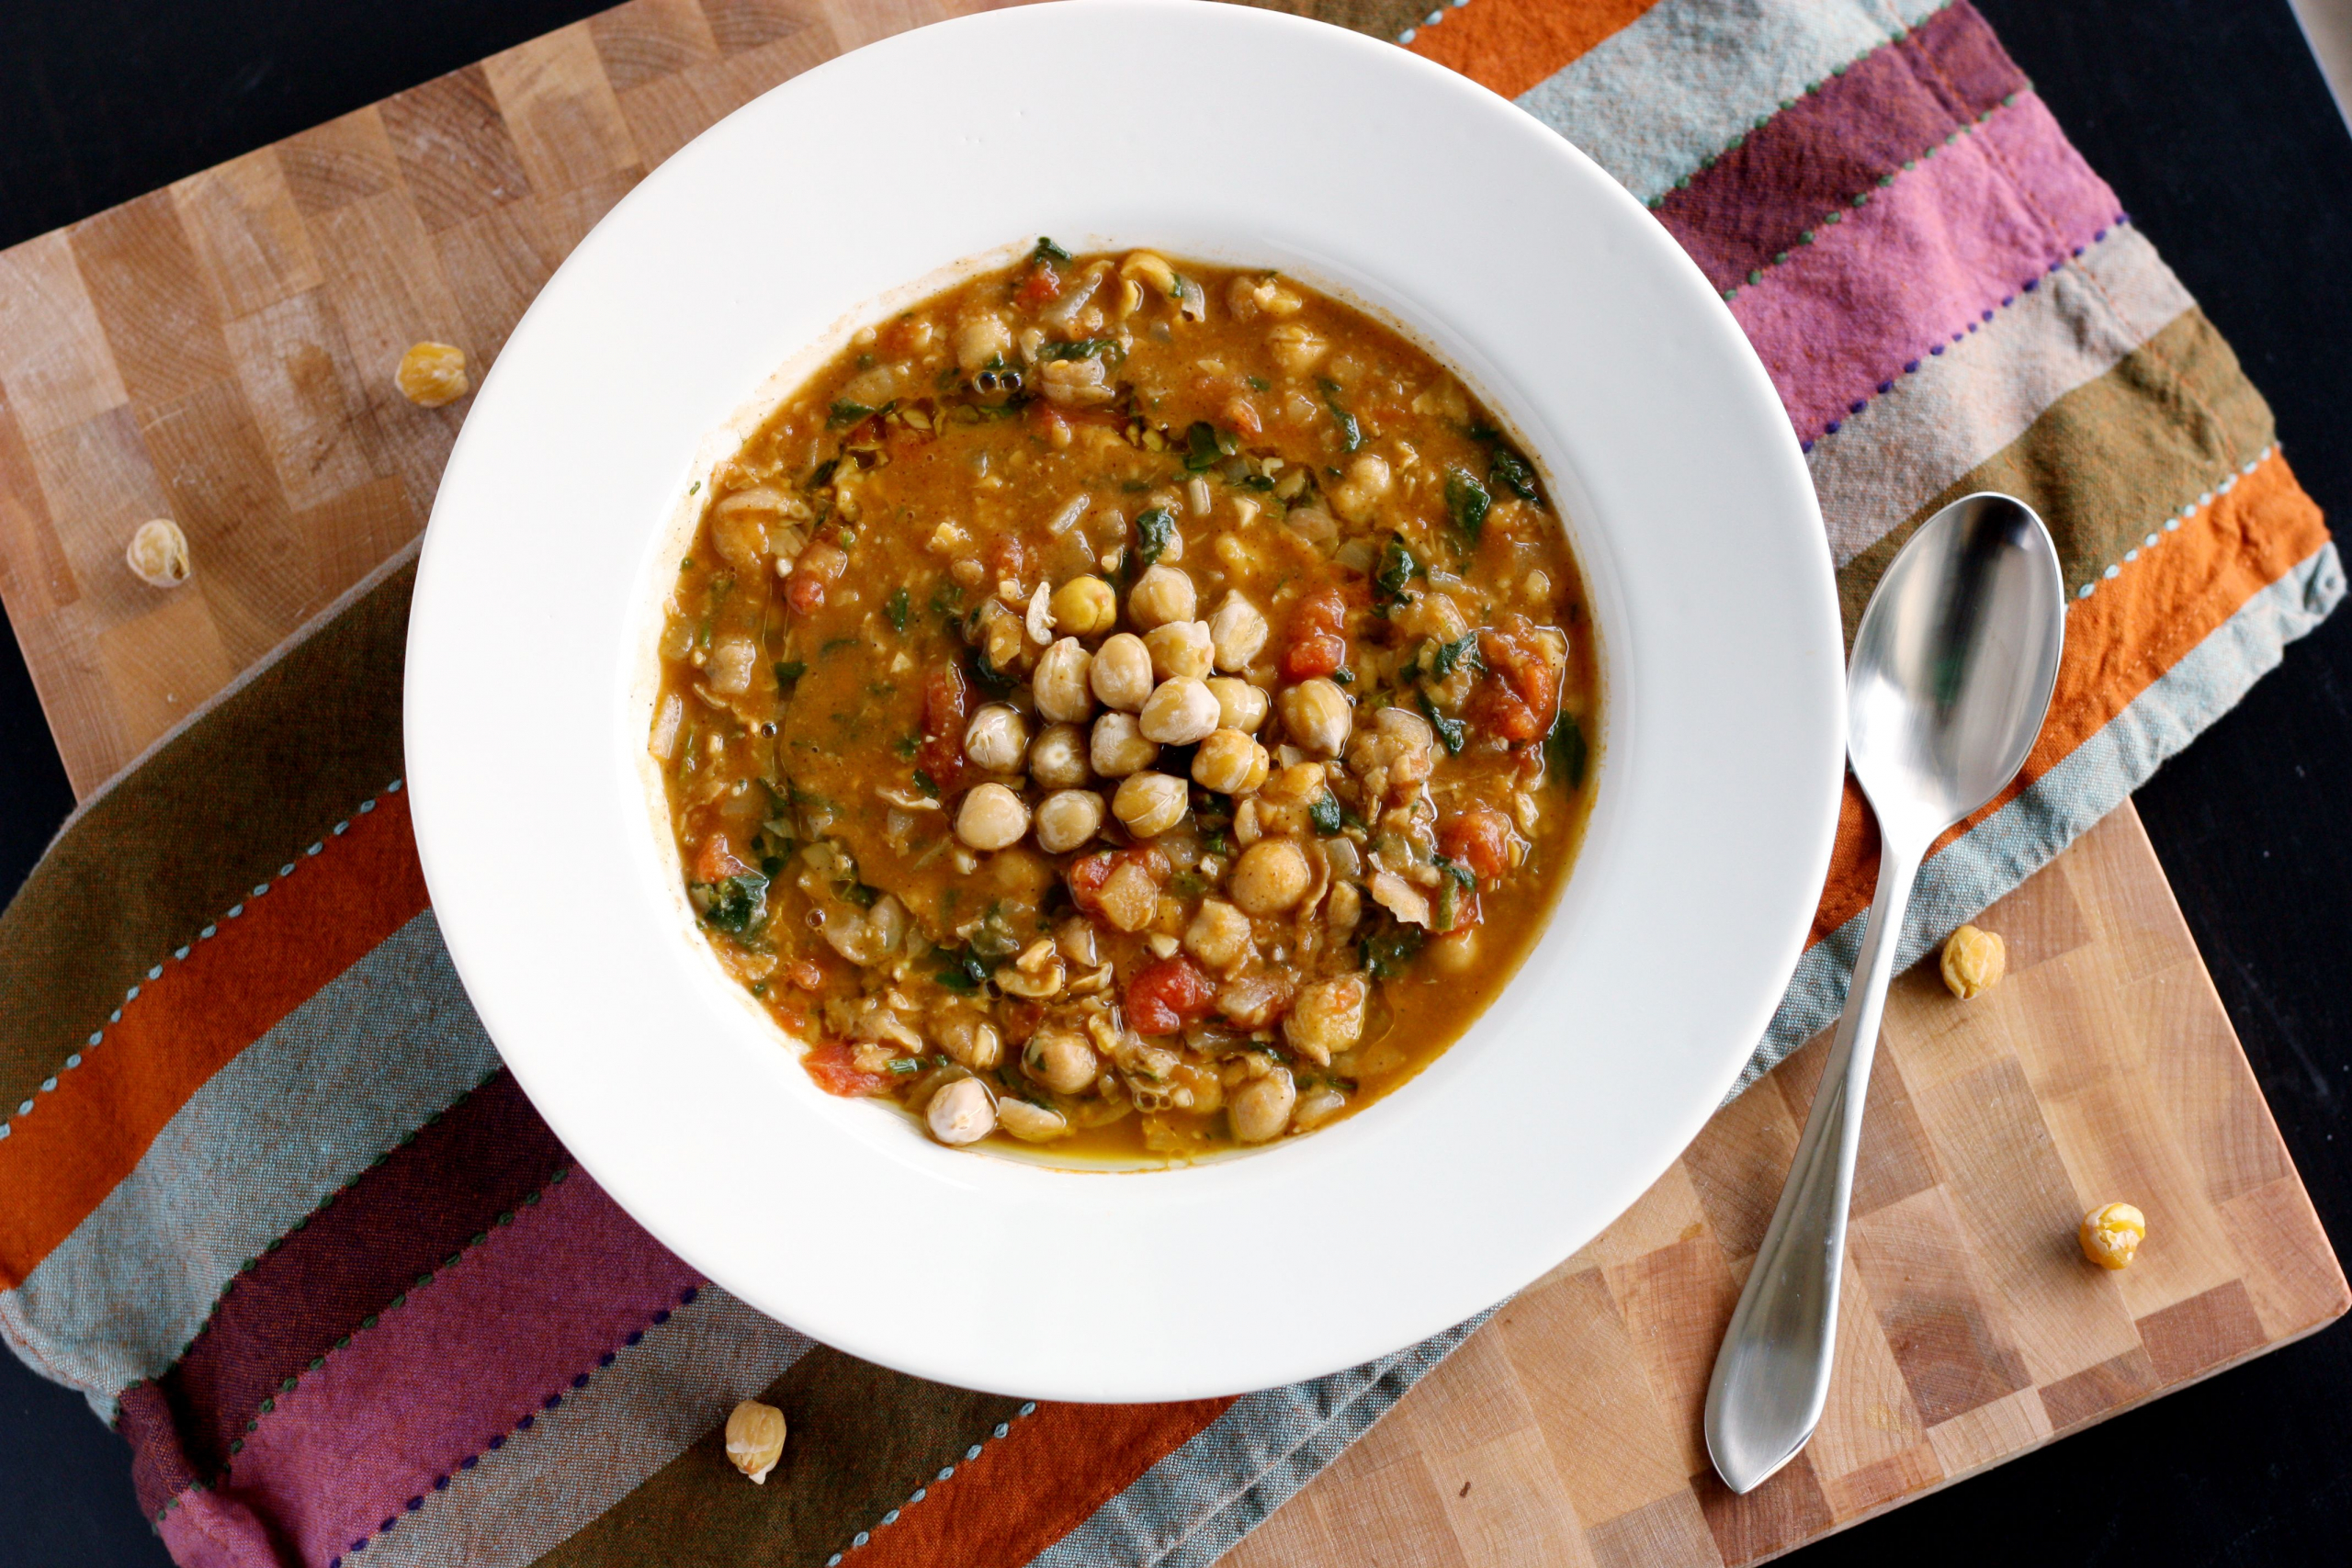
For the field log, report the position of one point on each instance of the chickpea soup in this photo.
(1125, 705)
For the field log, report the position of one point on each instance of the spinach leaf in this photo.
(926, 784)
(897, 610)
(1350, 433)
(1153, 530)
(1325, 813)
(846, 413)
(1395, 568)
(1389, 948)
(789, 671)
(1048, 251)
(1201, 448)
(1566, 752)
(964, 973)
(1452, 733)
(1467, 499)
(1463, 652)
(819, 475)
(1513, 473)
(738, 902)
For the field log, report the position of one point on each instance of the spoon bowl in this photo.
(1950, 677)
(1954, 663)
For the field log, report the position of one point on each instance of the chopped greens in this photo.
(1445, 658)
(1048, 251)
(1512, 472)
(788, 670)
(1452, 733)
(1395, 569)
(964, 972)
(735, 903)
(1083, 348)
(897, 609)
(1389, 948)
(1153, 530)
(1202, 447)
(926, 785)
(846, 413)
(1565, 752)
(1325, 813)
(1350, 433)
(1467, 501)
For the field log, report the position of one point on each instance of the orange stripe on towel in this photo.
(1036, 1483)
(80, 1140)
(1512, 45)
(2119, 641)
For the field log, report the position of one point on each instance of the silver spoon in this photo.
(1950, 679)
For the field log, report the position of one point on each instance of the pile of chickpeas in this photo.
(1174, 680)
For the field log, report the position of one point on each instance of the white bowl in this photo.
(1232, 135)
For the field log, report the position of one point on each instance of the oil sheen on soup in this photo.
(1126, 705)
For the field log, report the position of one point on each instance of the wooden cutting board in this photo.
(1567, 1429)
(222, 352)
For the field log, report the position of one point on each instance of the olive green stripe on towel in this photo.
(2109, 462)
(246, 786)
(863, 1440)
(659, 1398)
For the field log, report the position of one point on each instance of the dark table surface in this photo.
(2210, 120)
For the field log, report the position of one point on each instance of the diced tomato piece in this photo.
(1042, 284)
(1479, 838)
(1521, 695)
(805, 975)
(717, 861)
(1049, 423)
(1316, 647)
(818, 565)
(940, 755)
(1166, 995)
(829, 1062)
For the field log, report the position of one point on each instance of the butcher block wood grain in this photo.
(222, 352)
(1567, 1429)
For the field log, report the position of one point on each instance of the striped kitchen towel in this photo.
(268, 1199)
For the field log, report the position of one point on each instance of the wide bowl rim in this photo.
(822, 1273)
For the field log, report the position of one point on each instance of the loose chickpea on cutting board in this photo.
(1128, 705)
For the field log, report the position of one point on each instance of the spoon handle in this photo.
(1771, 1377)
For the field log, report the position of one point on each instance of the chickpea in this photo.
(1270, 879)
(1118, 747)
(1060, 1058)
(1032, 1123)
(992, 818)
(1084, 606)
(1238, 631)
(1219, 935)
(1316, 716)
(1177, 713)
(1295, 348)
(2110, 1234)
(1229, 763)
(1354, 497)
(969, 1039)
(1261, 1108)
(1973, 960)
(1059, 683)
(1067, 819)
(997, 738)
(963, 1112)
(1239, 704)
(1452, 953)
(1161, 594)
(1150, 804)
(1179, 648)
(1058, 758)
(1326, 1017)
(979, 339)
(1120, 674)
